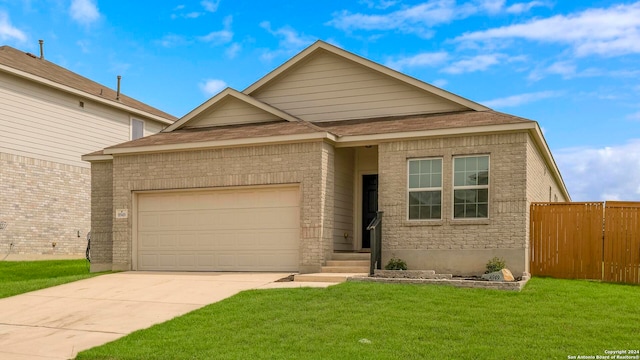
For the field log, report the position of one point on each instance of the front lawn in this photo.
(17, 277)
(549, 319)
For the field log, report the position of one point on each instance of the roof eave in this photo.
(355, 140)
(85, 95)
(256, 141)
(96, 157)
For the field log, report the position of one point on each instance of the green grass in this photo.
(549, 319)
(17, 277)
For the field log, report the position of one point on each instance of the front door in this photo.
(369, 206)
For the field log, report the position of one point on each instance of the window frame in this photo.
(131, 122)
(469, 187)
(409, 190)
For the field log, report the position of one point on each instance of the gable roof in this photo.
(317, 95)
(221, 97)
(29, 66)
(321, 46)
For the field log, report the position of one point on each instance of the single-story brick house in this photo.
(290, 171)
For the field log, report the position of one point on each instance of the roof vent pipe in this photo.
(118, 92)
(41, 49)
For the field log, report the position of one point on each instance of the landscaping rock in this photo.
(502, 275)
(410, 274)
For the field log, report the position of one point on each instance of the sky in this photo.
(571, 65)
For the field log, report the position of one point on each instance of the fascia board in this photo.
(222, 143)
(349, 140)
(95, 158)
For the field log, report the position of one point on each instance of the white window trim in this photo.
(131, 121)
(409, 190)
(469, 187)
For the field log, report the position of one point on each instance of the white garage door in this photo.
(219, 230)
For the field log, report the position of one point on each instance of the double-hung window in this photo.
(425, 189)
(471, 187)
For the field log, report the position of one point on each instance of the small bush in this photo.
(495, 264)
(396, 264)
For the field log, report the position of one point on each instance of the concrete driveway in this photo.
(58, 322)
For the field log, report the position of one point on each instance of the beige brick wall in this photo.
(461, 247)
(541, 184)
(43, 202)
(311, 165)
(102, 215)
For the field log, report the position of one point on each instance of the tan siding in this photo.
(45, 124)
(343, 203)
(152, 127)
(231, 111)
(328, 87)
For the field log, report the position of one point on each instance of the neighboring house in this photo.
(49, 117)
(285, 174)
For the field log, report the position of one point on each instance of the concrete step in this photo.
(364, 263)
(325, 277)
(345, 269)
(351, 256)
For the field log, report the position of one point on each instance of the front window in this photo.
(471, 187)
(425, 189)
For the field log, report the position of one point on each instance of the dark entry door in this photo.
(369, 206)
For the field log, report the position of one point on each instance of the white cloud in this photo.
(192, 15)
(222, 36)
(290, 41)
(567, 70)
(233, 50)
(604, 31)
(172, 40)
(380, 4)
(608, 173)
(422, 59)
(476, 63)
(563, 68)
(521, 99)
(210, 6)
(211, 87)
(419, 19)
(491, 6)
(416, 19)
(524, 7)
(84, 11)
(441, 83)
(84, 45)
(8, 31)
(634, 116)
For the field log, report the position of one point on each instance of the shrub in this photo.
(495, 264)
(396, 264)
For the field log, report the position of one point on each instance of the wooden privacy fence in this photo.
(591, 240)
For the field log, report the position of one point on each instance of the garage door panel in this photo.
(219, 230)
